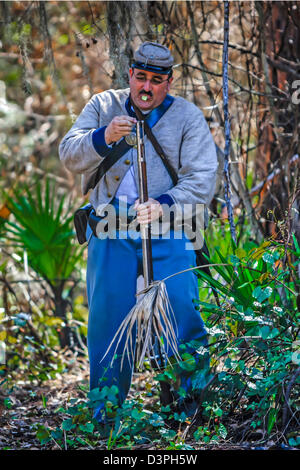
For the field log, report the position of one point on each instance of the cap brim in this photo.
(152, 68)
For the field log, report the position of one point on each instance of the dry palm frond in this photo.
(152, 316)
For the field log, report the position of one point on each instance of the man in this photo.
(115, 263)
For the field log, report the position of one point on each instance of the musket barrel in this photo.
(143, 195)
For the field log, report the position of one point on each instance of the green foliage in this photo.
(7, 403)
(253, 358)
(129, 425)
(213, 432)
(32, 346)
(40, 230)
(44, 231)
(253, 347)
(2, 227)
(252, 361)
(253, 333)
(294, 441)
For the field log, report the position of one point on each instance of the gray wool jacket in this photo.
(182, 132)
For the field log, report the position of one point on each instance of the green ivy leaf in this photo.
(218, 411)
(43, 434)
(181, 392)
(222, 431)
(198, 434)
(167, 434)
(156, 420)
(270, 257)
(234, 260)
(262, 294)
(88, 427)
(96, 394)
(67, 424)
(57, 434)
(135, 414)
(264, 331)
(74, 411)
(188, 363)
(180, 417)
(294, 441)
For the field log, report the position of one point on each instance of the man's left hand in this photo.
(148, 212)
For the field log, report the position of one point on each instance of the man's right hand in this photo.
(118, 128)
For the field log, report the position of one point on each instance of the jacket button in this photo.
(117, 178)
(127, 162)
(108, 194)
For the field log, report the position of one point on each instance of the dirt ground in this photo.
(30, 405)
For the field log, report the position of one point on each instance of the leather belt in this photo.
(100, 224)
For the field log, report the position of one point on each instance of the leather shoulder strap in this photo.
(156, 145)
(111, 158)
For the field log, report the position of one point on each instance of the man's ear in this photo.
(130, 72)
(169, 82)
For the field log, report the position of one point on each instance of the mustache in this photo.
(143, 92)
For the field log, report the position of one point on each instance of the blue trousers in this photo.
(112, 270)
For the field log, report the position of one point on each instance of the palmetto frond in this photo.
(151, 317)
(44, 230)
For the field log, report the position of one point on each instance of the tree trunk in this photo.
(119, 24)
(279, 127)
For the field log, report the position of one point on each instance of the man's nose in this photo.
(147, 85)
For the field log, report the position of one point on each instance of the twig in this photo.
(65, 440)
(227, 190)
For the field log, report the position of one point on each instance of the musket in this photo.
(143, 196)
